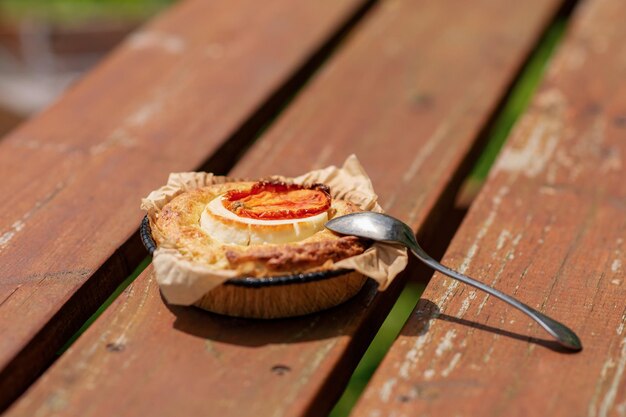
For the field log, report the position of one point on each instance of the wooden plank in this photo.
(405, 93)
(549, 227)
(172, 96)
(8, 120)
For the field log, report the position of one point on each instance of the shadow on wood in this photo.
(427, 311)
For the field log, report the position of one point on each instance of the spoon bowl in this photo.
(384, 228)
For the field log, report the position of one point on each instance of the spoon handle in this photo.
(566, 337)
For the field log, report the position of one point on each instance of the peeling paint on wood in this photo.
(20, 224)
(533, 157)
(152, 39)
(554, 241)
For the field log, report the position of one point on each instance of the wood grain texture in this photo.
(168, 99)
(405, 92)
(550, 228)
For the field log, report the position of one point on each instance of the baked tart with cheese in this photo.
(259, 248)
(259, 229)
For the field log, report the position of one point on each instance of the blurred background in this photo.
(45, 45)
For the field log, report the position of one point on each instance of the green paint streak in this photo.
(383, 340)
(143, 265)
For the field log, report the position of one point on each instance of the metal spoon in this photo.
(384, 228)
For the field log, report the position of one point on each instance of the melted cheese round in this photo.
(227, 227)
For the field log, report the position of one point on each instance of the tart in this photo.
(259, 249)
(257, 229)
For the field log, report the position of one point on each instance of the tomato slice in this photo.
(274, 200)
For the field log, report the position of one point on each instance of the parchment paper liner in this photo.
(184, 282)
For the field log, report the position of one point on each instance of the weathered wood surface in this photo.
(171, 97)
(405, 93)
(550, 228)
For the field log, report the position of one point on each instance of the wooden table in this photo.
(283, 87)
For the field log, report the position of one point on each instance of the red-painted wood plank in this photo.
(412, 87)
(550, 228)
(167, 100)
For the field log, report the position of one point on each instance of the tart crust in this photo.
(178, 226)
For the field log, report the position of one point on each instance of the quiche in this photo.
(258, 229)
(259, 249)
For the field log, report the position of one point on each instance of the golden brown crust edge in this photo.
(293, 258)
